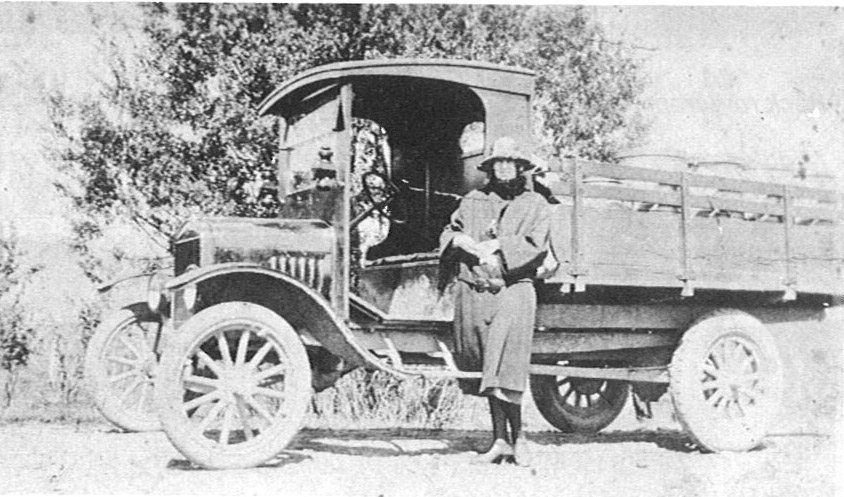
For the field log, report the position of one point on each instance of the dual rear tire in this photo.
(579, 405)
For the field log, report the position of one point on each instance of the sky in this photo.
(760, 85)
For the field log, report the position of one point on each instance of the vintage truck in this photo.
(665, 283)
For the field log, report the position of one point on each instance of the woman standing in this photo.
(496, 240)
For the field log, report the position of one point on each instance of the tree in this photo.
(175, 130)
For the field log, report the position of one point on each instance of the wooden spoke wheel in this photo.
(233, 390)
(119, 365)
(726, 381)
(581, 405)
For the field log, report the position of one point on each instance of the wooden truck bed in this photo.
(630, 226)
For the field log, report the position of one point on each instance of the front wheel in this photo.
(726, 381)
(234, 389)
(578, 405)
(119, 364)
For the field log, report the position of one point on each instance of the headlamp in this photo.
(155, 293)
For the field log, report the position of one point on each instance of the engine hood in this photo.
(268, 242)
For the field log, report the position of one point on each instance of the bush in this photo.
(67, 354)
(15, 333)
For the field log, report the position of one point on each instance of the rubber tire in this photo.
(549, 402)
(96, 378)
(691, 408)
(169, 391)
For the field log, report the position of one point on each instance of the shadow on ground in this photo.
(387, 443)
(413, 442)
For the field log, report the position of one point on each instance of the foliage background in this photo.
(175, 131)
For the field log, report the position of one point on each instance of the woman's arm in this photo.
(527, 248)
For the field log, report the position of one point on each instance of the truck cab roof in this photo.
(474, 74)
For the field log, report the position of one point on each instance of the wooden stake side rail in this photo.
(787, 262)
(673, 178)
(772, 207)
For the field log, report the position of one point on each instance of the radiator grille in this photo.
(186, 254)
(309, 268)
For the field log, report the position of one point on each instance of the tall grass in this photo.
(364, 399)
(359, 400)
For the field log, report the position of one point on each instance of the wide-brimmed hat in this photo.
(505, 148)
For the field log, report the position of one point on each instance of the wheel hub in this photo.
(148, 366)
(237, 380)
(586, 386)
(731, 374)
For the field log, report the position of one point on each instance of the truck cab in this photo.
(405, 138)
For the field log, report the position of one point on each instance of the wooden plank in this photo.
(617, 171)
(570, 342)
(737, 245)
(657, 176)
(559, 166)
(625, 275)
(820, 212)
(628, 194)
(576, 267)
(821, 194)
(710, 202)
(631, 238)
(717, 201)
(734, 185)
(686, 274)
(563, 188)
(812, 280)
(633, 317)
(638, 173)
(556, 317)
(788, 221)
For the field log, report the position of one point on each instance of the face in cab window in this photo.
(472, 139)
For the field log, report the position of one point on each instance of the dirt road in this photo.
(40, 458)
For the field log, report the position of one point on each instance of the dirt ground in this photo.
(801, 457)
(95, 460)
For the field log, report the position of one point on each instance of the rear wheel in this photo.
(581, 405)
(726, 381)
(233, 391)
(119, 366)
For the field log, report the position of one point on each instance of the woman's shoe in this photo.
(500, 452)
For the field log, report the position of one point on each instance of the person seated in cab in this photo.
(321, 199)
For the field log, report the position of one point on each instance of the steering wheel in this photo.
(381, 192)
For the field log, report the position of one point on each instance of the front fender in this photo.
(309, 312)
(129, 290)
(106, 287)
(203, 273)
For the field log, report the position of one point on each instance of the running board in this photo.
(653, 374)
